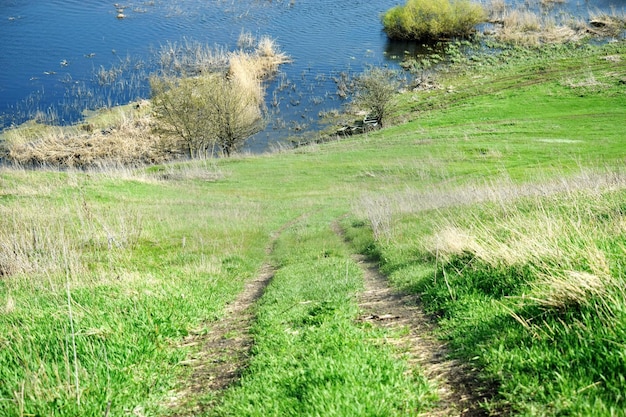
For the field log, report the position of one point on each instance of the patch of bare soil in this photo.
(222, 353)
(459, 390)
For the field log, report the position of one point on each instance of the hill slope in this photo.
(499, 201)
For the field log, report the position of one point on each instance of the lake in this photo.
(53, 50)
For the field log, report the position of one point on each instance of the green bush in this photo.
(432, 19)
(375, 90)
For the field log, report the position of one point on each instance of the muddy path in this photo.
(458, 388)
(459, 392)
(221, 355)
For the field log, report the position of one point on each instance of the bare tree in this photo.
(235, 113)
(208, 113)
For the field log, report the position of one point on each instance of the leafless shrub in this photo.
(375, 91)
(205, 115)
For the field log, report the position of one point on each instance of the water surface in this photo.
(53, 49)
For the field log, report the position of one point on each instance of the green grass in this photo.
(524, 272)
(102, 275)
(310, 357)
(508, 301)
(141, 274)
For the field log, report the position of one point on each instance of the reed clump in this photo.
(529, 27)
(190, 57)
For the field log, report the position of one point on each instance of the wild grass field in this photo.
(496, 199)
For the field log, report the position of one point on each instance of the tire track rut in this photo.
(222, 354)
(460, 392)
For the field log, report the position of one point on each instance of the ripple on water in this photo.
(52, 49)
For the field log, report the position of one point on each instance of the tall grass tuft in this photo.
(33, 243)
(262, 62)
(189, 58)
(571, 289)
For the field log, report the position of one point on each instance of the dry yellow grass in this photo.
(34, 242)
(128, 141)
(603, 24)
(553, 227)
(569, 289)
(249, 69)
(44, 244)
(557, 229)
(530, 28)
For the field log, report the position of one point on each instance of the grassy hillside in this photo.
(499, 200)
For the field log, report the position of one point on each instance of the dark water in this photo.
(51, 51)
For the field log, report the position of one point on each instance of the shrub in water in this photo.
(432, 19)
